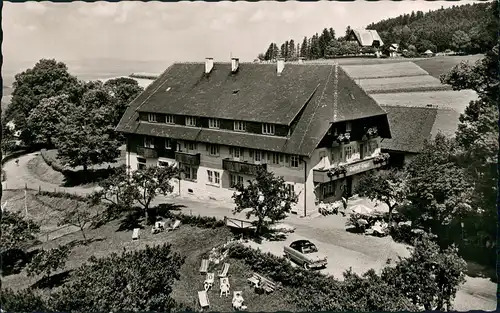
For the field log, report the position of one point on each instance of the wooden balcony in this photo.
(166, 153)
(187, 158)
(325, 175)
(242, 167)
(148, 153)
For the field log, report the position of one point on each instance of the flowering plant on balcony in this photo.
(336, 171)
(372, 132)
(381, 158)
(344, 137)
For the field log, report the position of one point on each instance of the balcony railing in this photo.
(334, 173)
(187, 158)
(148, 153)
(242, 167)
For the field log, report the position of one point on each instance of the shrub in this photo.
(60, 194)
(197, 220)
(51, 161)
(22, 301)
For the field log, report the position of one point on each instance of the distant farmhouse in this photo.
(221, 122)
(365, 38)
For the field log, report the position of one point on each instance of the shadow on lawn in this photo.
(77, 178)
(52, 281)
(15, 260)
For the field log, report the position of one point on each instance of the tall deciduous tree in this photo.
(388, 187)
(266, 196)
(43, 121)
(124, 90)
(151, 181)
(460, 41)
(16, 231)
(133, 281)
(116, 189)
(48, 78)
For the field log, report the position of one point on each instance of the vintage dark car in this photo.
(305, 253)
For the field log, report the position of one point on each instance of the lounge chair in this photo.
(176, 225)
(209, 281)
(203, 299)
(224, 270)
(204, 266)
(135, 233)
(224, 286)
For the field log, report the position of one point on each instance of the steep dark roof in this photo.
(411, 126)
(302, 91)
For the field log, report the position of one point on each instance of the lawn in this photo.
(438, 65)
(189, 241)
(457, 100)
(399, 83)
(397, 69)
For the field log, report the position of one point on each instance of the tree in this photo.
(48, 78)
(133, 281)
(266, 196)
(348, 31)
(291, 49)
(389, 187)
(151, 181)
(16, 231)
(43, 121)
(116, 189)
(439, 190)
(124, 90)
(430, 277)
(78, 216)
(49, 261)
(304, 48)
(86, 138)
(460, 41)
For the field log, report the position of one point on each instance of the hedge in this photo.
(60, 194)
(52, 162)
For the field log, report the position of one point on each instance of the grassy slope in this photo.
(438, 65)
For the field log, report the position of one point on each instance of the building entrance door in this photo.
(348, 186)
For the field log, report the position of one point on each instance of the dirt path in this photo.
(343, 249)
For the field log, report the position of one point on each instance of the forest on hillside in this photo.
(465, 28)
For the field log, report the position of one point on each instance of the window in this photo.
(213, 123)
(348, 127)
(169, 119)
(275, 158)
(189, 146)
(328, 189)
(294, 161)
(141, 163)
(190, 121)
(236, 180)
(268, 129)
(213, 150)
(213, 177)
(190, 172)
(168, 143)
(149, 142)
(348, 151)
(151, 117)
(290, 189)
(240, 126)
(236, 152)
(256, 155)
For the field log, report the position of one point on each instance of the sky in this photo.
(182, 31)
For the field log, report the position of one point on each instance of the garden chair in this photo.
(209, 281)
(224, 286)
(135, 233)
(203, 299)
(204, 266)
(224, 270)
(176, 225)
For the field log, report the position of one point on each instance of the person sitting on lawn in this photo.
(238, 301)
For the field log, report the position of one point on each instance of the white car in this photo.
(305, 253)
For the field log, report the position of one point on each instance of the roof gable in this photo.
(366, 37)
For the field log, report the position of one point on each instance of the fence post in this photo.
(39, 189)
(25, 186)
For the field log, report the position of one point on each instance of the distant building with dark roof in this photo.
(411, 127)
(221, 121)
(365, 37)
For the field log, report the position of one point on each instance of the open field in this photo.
(457, 100)
(438, 65)
(397, 69)
(400, 83)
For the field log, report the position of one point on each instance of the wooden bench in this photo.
(266, 284)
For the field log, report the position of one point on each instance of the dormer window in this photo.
(348, 127)
(152, 117)
(240, 126)
(169, 119)
(268, 129)
(214, 123)
(190, 121)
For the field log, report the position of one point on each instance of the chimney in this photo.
(280, 65)
(235, 63)
(209, 64)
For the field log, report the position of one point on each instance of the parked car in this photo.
(305, 253)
